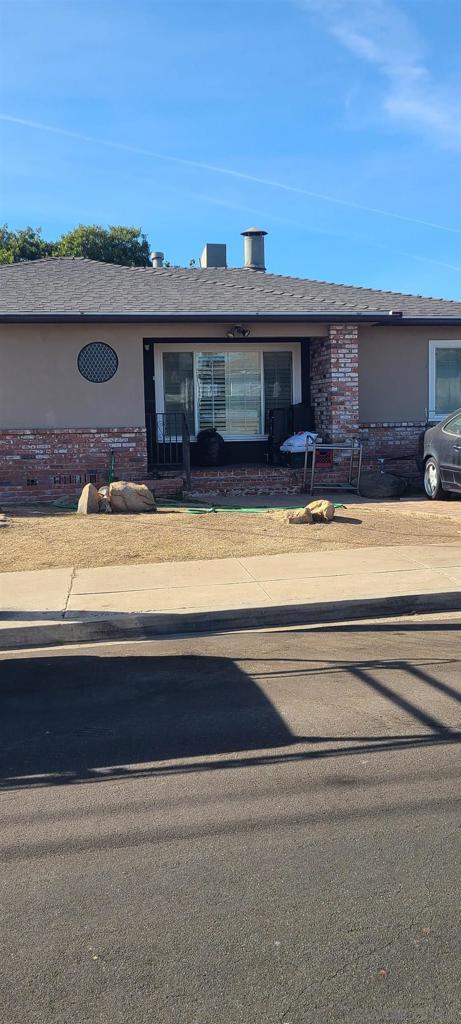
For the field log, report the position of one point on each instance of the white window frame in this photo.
(217, 346)
(433, 346)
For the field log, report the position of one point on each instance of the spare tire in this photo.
(209, 448)
(381, 485)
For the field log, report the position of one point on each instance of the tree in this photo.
(26, 244)
(126, 246)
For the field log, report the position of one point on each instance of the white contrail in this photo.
(216, 169)
(317, 231)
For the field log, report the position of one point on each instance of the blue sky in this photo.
(333, 124)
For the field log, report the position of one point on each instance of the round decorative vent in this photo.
(97, 362)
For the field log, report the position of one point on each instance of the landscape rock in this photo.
(130, 497)
(88, 503)
(299, 518)
(322, 509)
(381, 485)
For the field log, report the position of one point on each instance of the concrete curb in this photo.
(144, 627)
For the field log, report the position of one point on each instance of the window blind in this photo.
(229, 392)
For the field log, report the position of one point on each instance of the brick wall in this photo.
(241, 480)
(319, 370)
(40, 464)
(393, 441)
(335, 382)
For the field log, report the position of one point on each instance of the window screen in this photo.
(178, 384)
(277, 380)
(447, 379)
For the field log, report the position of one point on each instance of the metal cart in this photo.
(352, 449)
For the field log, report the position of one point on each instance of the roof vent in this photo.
(157, 259)
(253, 248)
(214, 255)
(395, 312)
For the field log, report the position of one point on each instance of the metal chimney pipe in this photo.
(157, 259)
(253, 248)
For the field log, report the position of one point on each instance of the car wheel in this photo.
(432, 480)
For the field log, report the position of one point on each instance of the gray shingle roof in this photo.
(70, 285)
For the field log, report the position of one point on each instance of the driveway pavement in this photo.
(256, 827)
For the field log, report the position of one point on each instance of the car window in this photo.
(453, 426)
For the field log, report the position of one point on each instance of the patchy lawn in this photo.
(48, 538)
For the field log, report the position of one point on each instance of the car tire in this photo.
(433, 481)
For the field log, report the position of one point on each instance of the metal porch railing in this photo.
(168, 443)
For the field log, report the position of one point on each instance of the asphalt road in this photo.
(248, 829)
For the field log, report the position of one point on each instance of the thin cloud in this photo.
(381, 34)
(227, 171)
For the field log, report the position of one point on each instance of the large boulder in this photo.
(88, 503)
(381, 485)
(128, 497)
(322, 509)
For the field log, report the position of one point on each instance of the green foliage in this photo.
(126, 246)
(26, 244)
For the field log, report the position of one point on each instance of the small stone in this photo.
(88, 503)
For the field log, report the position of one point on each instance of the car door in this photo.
(450, 463)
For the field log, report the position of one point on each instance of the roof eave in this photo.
(332, 316)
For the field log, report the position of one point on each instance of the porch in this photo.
(255, 393)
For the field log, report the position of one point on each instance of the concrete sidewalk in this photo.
(74, 605)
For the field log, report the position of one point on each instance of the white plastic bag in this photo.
(299, 442)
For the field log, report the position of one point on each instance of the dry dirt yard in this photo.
(43, 538)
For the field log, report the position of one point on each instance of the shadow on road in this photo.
(63, 717)
(80, 718)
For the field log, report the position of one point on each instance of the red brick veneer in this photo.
(40, 463)
(393, 439)
(335, 383)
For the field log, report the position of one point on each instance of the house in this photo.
(98, 359)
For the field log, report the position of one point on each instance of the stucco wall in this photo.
(394, 371)
(40, 385)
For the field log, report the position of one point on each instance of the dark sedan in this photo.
(442, 457)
